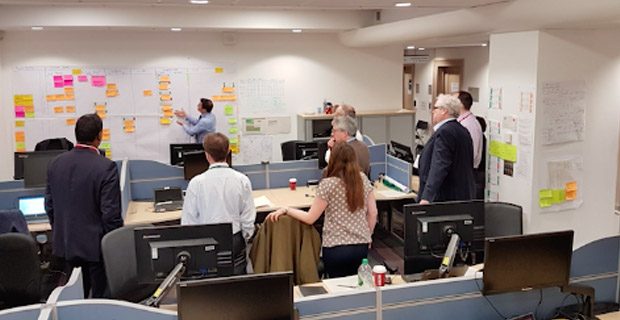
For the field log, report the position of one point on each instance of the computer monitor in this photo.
(158, 250)
(322, 150)
(402, 151)
(428, 229)
(35, 167)
(265, 296)
(177, 150)
(518, 263)
(306, 150)
(195, 163)
(32, 207)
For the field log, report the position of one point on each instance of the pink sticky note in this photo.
(20, 114)
(20, 109)
(68, 79)
(58, 82)
(98, 81)
(83, 78)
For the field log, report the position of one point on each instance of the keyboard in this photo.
(168, 206)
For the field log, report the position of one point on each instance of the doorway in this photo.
(448, 76)
(408, 71)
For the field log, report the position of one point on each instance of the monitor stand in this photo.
(586, 309)
(171, 279)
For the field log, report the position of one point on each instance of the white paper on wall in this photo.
(256, 148)
(262, 97)
(563, 107)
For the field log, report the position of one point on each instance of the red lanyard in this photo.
(85, 146)
(467, 116)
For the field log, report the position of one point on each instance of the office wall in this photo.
(314, 66)
(475, 74)
(593, 56)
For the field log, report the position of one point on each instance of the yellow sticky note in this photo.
(108, 153)
(20, 136)
(111, 86)
(164, 86)
(571, 186)
(503, 150)
(233, 130)
(23, 100)
(70, 121)
(19, 123)
(165, 120)
(545, 194)
(234, 149)
(100, 107)
(147, 93)
(219, 70)
(165, 97)
(164, 78)
(544, 203)
(70, 109)
(76, 72)
(59, 109)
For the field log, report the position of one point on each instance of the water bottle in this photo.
(364, 275)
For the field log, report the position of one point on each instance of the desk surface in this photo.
(302, 197)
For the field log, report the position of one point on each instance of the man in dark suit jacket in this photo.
(344, 129)
(83, 202)
(446, 163)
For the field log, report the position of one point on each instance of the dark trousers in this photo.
(342, 261)
(94, 281)
(239, 256)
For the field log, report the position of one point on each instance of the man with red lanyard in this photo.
(468, 120)
(83, 203)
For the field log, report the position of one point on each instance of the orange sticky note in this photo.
(59, 109)
(571, 186)
(70, 109)
(168, 113)
(164, 85)
(69, 91)
(20, 136)
(128, 123)
(101, 114)
(166, 108)
(60, 97)
(105, 134)
(50, 97)
(100, 107)
(70, 121)
(111, 93)
(147, 93)
(129, 129)
(164, 78)
(228, 89)
(19, 123)
(570, 195)
(165, 97)
(111, 86)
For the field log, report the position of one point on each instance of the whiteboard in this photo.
(136, 97)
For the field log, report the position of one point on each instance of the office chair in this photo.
(13, 220)
(289, 149)
(502, 219)
(119, 258)
(20, 273)
(54, 144)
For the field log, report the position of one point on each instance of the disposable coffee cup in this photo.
(292, 183)
(378, 275)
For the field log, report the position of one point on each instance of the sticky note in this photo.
(165, 97)
(111, 86)
(229, 110)
(128, 122)
(100, 107)
(23, 100)
(165, 120)
(232, 120)
(20, 114)
(20, 136)
(545, 194)
(503, 150)
(164, 78)
(70, 121)
(234, 149)
(20, 109)
(58, 82)
(20, 146)
(129, 129)
(70, 97)
(571, 195)
(168, 113)
(101, 114)
(108, 153)
(219, 70)
(228, 89)
(544, 203)
(70, 109)
(105, 145)
(105, 134)
(164, 85)
(50, 97)
(68, 80)
(19, 123)
(166, 108)
(59, 109)
(110, 93)
(147, 93)
(559, 195)
(29, 109)
(98, 81)
(76, 72)
(82, 78)
(571, 186)
(233, 130)
(29, 114)
(234, 140)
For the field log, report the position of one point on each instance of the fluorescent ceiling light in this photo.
(296, 30)
(421, 49)
(410, 47)
(175, 29)
(199, 1)
(484, 44)
(402, 4)
(37, 28)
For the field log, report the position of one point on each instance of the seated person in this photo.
(346, 195)
(221, 195)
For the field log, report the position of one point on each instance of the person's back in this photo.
(362, 154)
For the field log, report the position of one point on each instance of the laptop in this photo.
(33, 208)
(168, 199)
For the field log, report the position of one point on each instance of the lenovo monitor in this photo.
(177, 150)
(35, 167)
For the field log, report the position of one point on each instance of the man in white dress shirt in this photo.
(221, 195)
(468, 120)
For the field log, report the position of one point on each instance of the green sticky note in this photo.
(234, 141)
(229, 110)
(544, 203)
(20, 145)
(559, 196)
(105, 145)
(232, 120)
(503, 150)
(233, 130)
(545, 194)
(29, 114)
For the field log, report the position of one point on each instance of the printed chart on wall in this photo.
(561, 192)
(136, 104)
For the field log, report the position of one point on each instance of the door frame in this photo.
(445, 63)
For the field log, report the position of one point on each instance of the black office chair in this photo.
(20, 272)
(119, 258)
(502, 219)
(54, 144)
(289, 149)
(13, 220)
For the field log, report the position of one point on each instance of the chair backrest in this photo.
(367, 140)
(502, 219)
(119, 258)
(12, 220)
(288, 149)
(20, 271)
(54, 144)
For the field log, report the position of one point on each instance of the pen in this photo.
(346, 286)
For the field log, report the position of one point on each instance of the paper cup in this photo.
(292, 183)
(378, 275)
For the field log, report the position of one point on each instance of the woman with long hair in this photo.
(345, 194)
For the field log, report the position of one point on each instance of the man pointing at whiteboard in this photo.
(198, 128)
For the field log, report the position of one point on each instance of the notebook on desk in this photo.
(33, 208)
(168, 199)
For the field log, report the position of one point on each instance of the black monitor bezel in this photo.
(402, 151)
(35, 181)
(183, 147)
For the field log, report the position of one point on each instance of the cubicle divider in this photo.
(30, 312)
(399, 170)
(125, 181)
(378, 164)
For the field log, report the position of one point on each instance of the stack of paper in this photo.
(262, 201)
